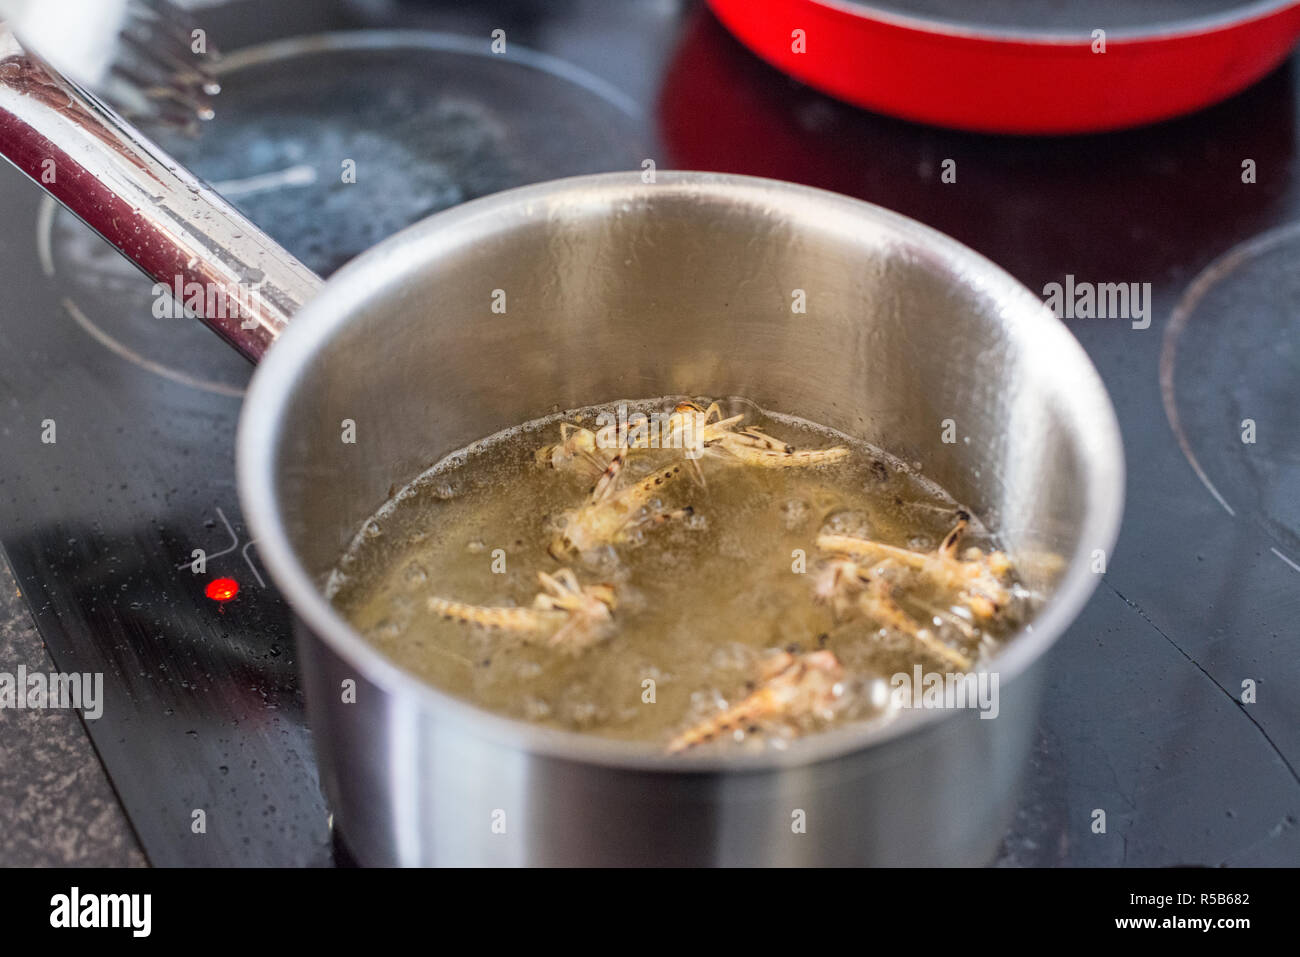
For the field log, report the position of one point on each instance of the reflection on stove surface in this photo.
(1230, 377)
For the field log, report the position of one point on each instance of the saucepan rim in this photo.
(343, 298)
(1222, 19)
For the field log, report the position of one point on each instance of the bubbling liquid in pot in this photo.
(742, 599)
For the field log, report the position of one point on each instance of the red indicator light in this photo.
(222, 589)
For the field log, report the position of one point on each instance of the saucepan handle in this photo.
(240, 282)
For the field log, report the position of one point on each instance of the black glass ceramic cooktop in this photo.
(1144, 717)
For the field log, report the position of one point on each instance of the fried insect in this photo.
(789, 686)
(975, 579)
(695, 430)
(853, 592)
(610, 515)
(698, 430)
(564, 614)
(577, 451)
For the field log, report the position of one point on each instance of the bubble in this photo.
(794, 513)
(846, 521)
(879, 693)
(536, 709)
(583, 713)
(732, 657)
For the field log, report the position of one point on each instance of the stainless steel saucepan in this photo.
(617, 288)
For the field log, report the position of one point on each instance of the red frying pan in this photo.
(1021, 66)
